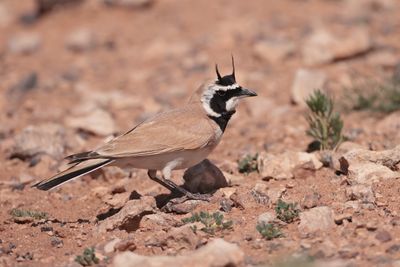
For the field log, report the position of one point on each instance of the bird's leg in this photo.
(170, 185)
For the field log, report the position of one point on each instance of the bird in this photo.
(176, 139)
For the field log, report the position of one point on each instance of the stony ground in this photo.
(81, 73)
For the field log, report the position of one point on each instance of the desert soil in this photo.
(83, 73)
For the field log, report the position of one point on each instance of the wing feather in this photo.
(176, 130)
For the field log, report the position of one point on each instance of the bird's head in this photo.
(221, 96)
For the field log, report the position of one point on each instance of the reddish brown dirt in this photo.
(159, 55)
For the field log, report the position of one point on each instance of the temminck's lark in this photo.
(176, 139)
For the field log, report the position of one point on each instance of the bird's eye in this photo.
(221, 93)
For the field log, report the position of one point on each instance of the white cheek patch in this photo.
(205, 100)
(232, 103)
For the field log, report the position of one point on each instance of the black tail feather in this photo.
(49, 184)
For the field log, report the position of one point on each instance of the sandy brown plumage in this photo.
(175, 139)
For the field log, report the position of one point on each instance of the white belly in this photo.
(182, 160)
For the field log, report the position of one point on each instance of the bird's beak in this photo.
(247, 92)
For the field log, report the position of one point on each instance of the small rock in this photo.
(46, 229)
(393, 249)
(117, 201)
(81, 40)
(128, 218)
(97, 121)
(340, 218)
(260, 193)
(310, 200)
(275, 194)
(204, 177)
(238, 200)
(360, 192)
(47, 139)
(323, 46)
(383, 236)
(26, 84)
(206, 256)
(125, 245)
(305, 83)
(227, 191)
(368, 173)
(365, 166)
(181, 208)
(267, 217)
(24, 43)
(226, 205)
(233, 179)
(274, 50)
(56, 242)
(316, 219)
(283, 165)
(166, 221)
(182, 238)
(110, 246)
(130, 3)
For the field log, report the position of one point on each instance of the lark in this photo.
(176, 139)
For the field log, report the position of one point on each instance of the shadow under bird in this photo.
(176, 139)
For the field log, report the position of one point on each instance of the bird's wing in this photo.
(176, 130)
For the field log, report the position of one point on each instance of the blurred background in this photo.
(94, 68)
(75, 73)
(60, 60)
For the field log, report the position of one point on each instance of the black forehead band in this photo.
(226, 80)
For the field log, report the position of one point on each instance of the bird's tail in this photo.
(75, 171)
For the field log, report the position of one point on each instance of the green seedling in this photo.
(248, 164)
(269, 231)
(286, 212)
(87, 258)
(325, 126)
(211, 222)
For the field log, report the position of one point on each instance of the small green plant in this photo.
(286, 212)
(376, 96)
(211, 222)
(325, 126)
(248, 164)
(37, 215)
(268, 230)
(87, 258)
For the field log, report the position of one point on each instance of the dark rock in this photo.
(46, 229)
(226, 205)
(204, 177)
(56, 242)
(383, 236)
(26, 84)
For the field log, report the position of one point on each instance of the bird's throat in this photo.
(223, 120)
